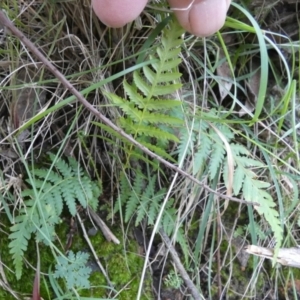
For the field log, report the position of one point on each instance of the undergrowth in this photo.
(169, 101)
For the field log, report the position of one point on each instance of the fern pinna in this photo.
(146, 110)
(66, 183)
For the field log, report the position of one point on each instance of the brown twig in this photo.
(15, 31)
(185, 276)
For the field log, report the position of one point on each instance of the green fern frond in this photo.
(146, 110)
(165, 77)
(66, 183)
(167, 66)
(183, 242)
(133, 201)
(216, 158)
(209, 156)
(147, 130)
(159, 151)
(21, 233)
(202, 153)
(252, 189)
(145, 198)
(141, 199)
(153, 89)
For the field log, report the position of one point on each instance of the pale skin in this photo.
(199, 17)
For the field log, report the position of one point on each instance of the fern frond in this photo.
(62, 166)
(253, 190)
(145, 199)
(154, 90)
(165, 77)
(66, 183)
(147, 110)
(158, 151)
(148, 130)
(183, 242)
(149, 104)
(202, 153)
(133, 201)
(21, 233)
(216, 157)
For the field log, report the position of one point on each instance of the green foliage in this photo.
(43, 204)
(210, 155)
(143, 200)
(254, 190)
(173, 280)
(241, 231)
(124, 266)
(147, 110)
(149, 116)
(73, 269)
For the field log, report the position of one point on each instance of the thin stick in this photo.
(15, 31)
(185, 276)
(86, 237)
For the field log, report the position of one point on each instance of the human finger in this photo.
(117, 13)
(200, 17)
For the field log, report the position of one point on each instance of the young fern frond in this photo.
(66, 183)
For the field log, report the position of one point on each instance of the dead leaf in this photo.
(226, 77)
(252, 89)
(29, 100)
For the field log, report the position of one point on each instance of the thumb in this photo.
(200, 17)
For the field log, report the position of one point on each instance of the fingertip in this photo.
(117, 13)
(201, 17)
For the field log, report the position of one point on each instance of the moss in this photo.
(121, 262)
(24, 286)
(123, 266)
